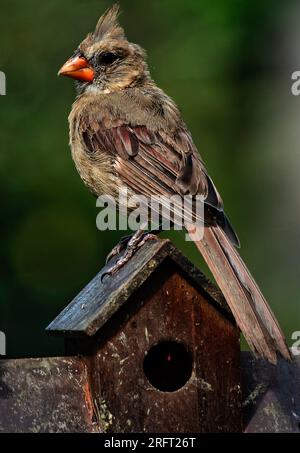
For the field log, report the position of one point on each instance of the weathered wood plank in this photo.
(271, 395)
(45, 395)
(53, 394)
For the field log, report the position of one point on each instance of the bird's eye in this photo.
(108, 58)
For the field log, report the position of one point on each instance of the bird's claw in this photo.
(118, 249)
(136, 241)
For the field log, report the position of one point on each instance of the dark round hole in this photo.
(168, 366)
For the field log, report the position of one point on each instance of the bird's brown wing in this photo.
(168, 161)
(157, 163)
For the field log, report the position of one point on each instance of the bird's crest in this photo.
(108, 25)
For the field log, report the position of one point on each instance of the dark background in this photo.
(228, 65)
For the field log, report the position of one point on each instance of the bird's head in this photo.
(106, 61)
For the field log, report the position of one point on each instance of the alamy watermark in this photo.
(148, 213)
(2, 84)
(295, 88)
(2, 343)
(296, 346)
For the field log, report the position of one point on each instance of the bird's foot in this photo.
(119, 248)
(130, 244)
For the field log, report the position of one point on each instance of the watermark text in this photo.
(2, 84)
(2, 343)
(296, 346)
(148, 213)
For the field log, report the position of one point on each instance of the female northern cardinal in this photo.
(125, 131)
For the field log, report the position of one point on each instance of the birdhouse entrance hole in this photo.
(168, 366)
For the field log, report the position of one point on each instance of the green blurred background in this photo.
(228, 64)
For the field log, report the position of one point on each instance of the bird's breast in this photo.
(97, 172)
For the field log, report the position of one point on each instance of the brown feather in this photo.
(108, 26)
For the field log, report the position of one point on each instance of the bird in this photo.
(127, 132)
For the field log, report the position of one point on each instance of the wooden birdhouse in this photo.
(162, 348)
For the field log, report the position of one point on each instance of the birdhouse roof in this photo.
(99, 300)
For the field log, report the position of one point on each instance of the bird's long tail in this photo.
(249, 307)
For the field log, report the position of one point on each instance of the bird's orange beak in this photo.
(78, 68)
